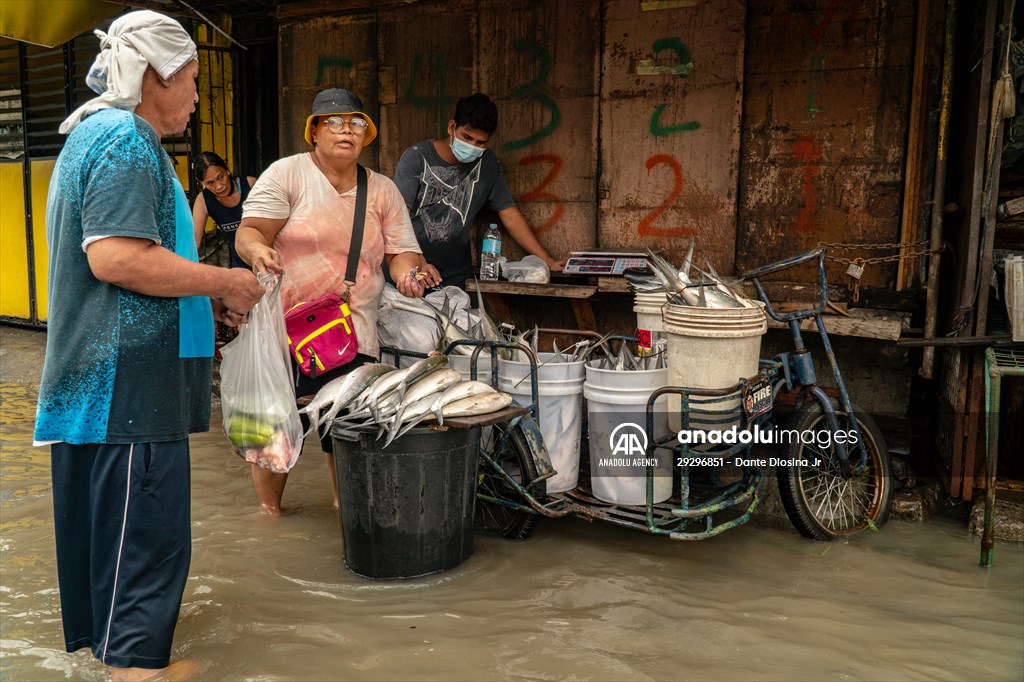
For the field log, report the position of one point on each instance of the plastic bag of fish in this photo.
(393, 401)
(257, 395)
(434, 322)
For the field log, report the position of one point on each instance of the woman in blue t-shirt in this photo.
(221, 201)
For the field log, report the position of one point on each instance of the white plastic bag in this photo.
(256, 390)
(410, 324)
(531, 269)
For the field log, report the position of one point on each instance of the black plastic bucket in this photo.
(406, 510)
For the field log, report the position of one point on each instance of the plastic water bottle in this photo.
(490, 253)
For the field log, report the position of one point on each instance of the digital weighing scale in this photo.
(603, 262)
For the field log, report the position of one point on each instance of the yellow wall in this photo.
(14, 279)
(13, 246)
(41, 172)
(14, 291)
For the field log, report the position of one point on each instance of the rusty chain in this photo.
(857, 265)
(876, 247)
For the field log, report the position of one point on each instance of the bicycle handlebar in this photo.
(785, 264)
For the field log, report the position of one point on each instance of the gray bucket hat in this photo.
(339, 101)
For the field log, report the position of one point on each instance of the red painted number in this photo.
(645, 228)
(809, 154)
(538, 193)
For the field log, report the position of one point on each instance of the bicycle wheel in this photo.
(821, 503)
(515, 459)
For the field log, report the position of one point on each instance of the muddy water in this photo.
(270, 599)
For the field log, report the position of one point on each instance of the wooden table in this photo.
(578, 295)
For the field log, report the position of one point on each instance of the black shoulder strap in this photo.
(357, 226)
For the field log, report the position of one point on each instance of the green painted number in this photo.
(532, 91)
(682, 70)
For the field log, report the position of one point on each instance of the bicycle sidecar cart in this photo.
(830, 458)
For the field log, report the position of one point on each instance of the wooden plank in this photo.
(325, 52)
(960, 341)
(585, 320)
(526, 289)
(790, 306)
(671, 92)
(826, 94)
(913, 203)
(431, 48)
(539, 61)
(992, 169)
(613, 285)
(497, 309)
(886, 329)
(504, 414)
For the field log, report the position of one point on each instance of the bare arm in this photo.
(254, 243)
(145, 267)
(251, 179)
(199, 215)
(399, 266)
(515, 222)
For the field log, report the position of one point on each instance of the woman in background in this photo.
(221, 201)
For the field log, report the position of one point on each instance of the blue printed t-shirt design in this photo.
(444, 199)
(114, 371)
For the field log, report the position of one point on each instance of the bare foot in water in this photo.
(178, 671)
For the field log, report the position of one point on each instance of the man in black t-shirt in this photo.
(447, 181)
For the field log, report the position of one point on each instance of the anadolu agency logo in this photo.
(628, 440)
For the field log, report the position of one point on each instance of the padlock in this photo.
(855, 270)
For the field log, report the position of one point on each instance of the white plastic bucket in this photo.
(461, 363)
(614, 399)
(712, 348)
(560, 406)
(647, 305)
(547, 369)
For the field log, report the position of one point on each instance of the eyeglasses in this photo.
(358, 126)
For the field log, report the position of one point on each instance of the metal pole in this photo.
(939, 192)
(26, 181)
(993, 378)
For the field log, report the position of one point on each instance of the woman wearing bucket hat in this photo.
(297, 222)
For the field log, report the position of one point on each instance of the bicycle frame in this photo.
(799, 368)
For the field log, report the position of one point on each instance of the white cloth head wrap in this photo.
(136, 40)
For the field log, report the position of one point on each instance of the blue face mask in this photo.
(464, 151)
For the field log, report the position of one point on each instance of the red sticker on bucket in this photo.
(643, 338)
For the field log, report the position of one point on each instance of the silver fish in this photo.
(710, 292)
(357, 381)
(360, 400)
(464, 389)
(416, 412)
(490, 330)
(382, 410)
(428, 385)
(378, 389)
(484, 403)
(674, 283)
(518, 355)
(327, 394)
(646, 280)
(420, 369)
(450, 331)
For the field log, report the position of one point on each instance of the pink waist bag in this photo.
(321, 335)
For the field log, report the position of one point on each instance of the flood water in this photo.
(270, 599)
